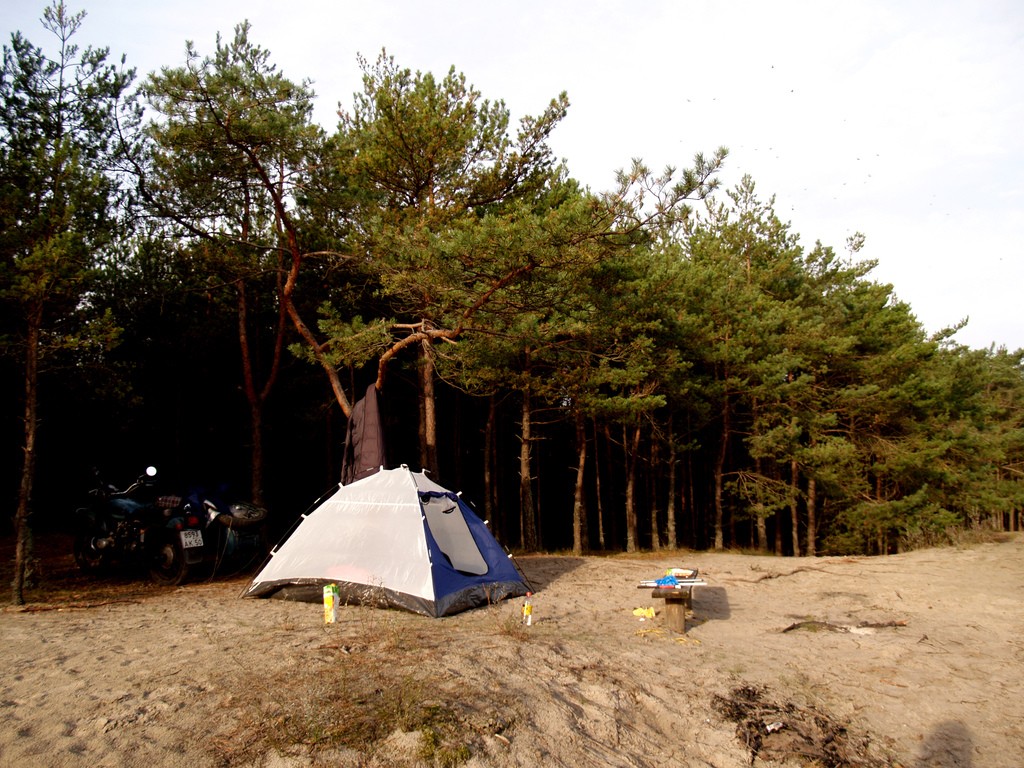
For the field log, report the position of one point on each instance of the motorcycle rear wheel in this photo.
(167, 563)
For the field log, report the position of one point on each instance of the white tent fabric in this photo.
(395, 537)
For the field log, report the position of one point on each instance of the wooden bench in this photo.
(678, 600)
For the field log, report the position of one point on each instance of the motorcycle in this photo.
(171, 536)
(215, 533)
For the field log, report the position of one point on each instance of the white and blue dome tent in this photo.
(394, 538)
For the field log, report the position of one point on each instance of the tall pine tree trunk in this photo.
(610, 481)
(256, 453)
(690, 494)
(428, 409)
(527, 511)
(812, 517)
(779, 518)
(490, 495)
(794, 506)
(597, 489)
(22, 530)
(632, 449)
(672, 539)
(762, 534)
(761, 526)
(579, 508)
(719, 477)
(652, 498)
(257, 397)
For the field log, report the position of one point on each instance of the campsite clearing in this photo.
(918, 675)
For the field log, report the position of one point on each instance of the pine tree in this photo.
(62, 118)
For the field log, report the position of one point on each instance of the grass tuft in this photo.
(354, 699)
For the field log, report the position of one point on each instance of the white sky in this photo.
(901, 119)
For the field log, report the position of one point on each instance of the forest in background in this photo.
(195, 275)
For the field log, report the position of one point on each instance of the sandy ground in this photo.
(911, 660)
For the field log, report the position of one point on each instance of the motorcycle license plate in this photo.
(191, 538)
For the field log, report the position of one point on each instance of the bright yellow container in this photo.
(331, 597)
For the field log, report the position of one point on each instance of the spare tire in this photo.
(242, 515)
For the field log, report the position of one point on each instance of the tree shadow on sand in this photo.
(711, 604)
(543, 570)
(949, 745)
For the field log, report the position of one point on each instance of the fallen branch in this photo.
(802, 569)
(814, 625)
(42, 607)
(882, 624)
